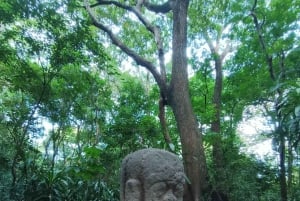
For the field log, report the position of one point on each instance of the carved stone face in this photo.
(152, 175)
(164, 190)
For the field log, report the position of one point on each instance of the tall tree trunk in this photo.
(290, 166)
(179, 100)
(216, 123)
(219, 192)
(278, 97)
(217, 152)
(282, 172)
(14, 177)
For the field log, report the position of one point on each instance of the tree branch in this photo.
(254, 5)
(258, 27)
(163, 123)
(116, 41)
(162, 8)
(155, 30)
(282, 66)
(209, 42)
(135, 10)
(226, 51)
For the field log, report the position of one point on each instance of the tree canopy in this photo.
(84, 83)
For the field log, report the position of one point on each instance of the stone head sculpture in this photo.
(152, 175)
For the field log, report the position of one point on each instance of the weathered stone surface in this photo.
(152, 175)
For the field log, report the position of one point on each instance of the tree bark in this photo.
(290, 165)
(179, 100)
(217, 151)
(282, 172)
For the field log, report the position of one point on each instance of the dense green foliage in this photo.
(70, 111)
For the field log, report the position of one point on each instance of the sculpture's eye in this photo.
(159, 188)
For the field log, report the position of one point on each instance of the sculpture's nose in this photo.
(169, 196)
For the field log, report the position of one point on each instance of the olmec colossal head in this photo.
(152, 175)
